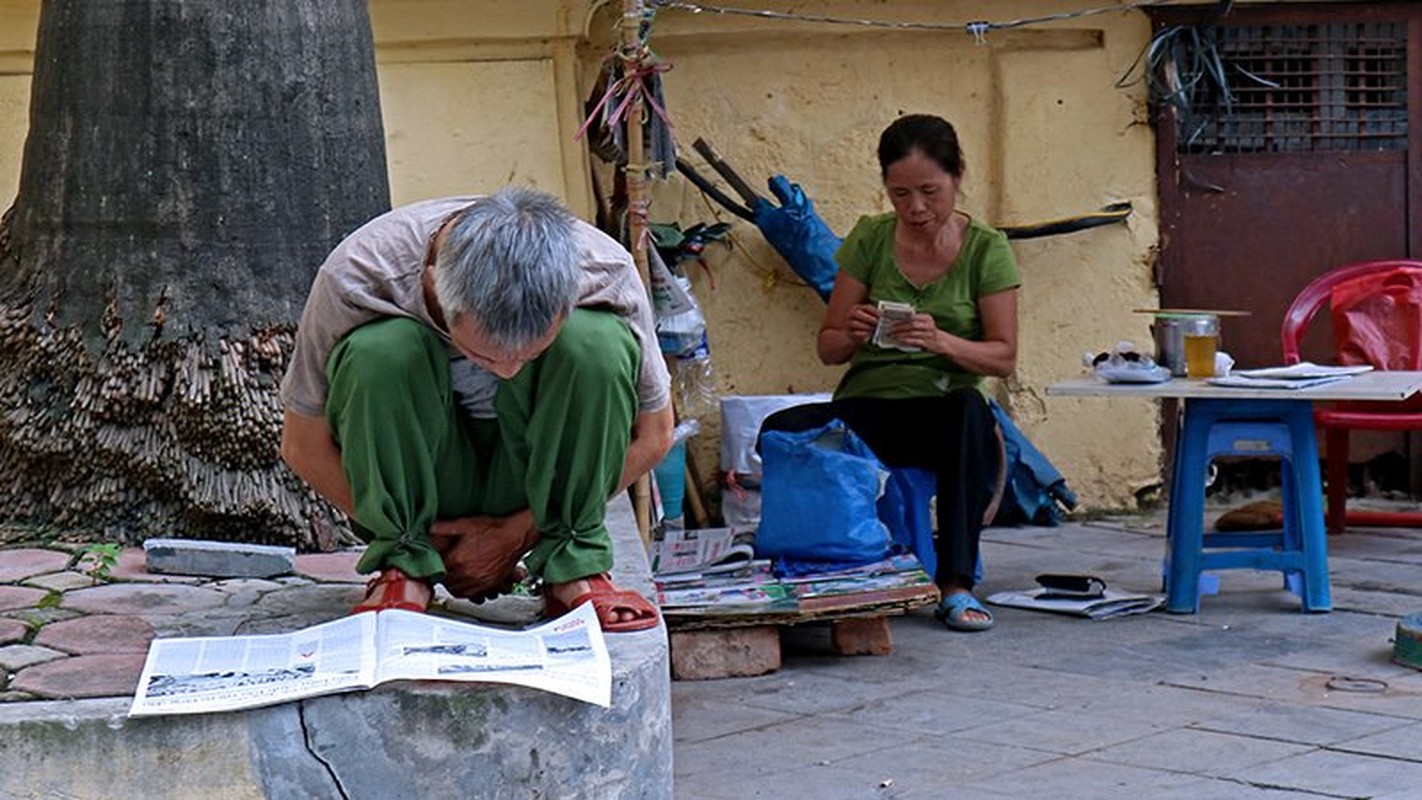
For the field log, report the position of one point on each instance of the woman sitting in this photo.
(913, 391)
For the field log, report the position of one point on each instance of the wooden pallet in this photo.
(742, 645)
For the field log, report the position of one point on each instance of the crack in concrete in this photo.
(306, 740)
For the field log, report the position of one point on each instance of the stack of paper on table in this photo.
(1302, 375)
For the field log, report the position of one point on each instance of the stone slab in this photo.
(23, 562)
(16, 657)
(101, 633)
(12, 630)
(35, 617)
(106, 675)
(217, 559)
(133, 566)
(12, 597)
(142, 599)
(331, 567)
(60, 581)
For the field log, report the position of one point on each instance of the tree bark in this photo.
(188, 166)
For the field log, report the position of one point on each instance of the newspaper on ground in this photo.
(1110, 603)
(566, 656)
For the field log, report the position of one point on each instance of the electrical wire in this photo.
(978, 29)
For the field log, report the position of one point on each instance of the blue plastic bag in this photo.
(798, 234)
(819, 494)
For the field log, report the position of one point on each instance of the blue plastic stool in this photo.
(1242, 427)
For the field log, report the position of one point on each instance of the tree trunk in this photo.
(189, 164)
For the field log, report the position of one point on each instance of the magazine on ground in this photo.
(701, 551)
(1110, 603)
(566, 656)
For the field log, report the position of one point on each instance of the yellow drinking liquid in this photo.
(1200, 354)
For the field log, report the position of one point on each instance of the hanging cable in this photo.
(978, 29)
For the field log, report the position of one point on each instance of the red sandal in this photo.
(605, 596)
(392, 588)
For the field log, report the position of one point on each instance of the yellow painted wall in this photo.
(18, 21)
(479, 92)
(1046, 134)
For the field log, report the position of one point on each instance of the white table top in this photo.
(1375, 385)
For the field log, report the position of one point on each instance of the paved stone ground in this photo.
(1247, 699)
(65, 634)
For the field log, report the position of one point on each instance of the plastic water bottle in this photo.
(682, 335)
(695, 381)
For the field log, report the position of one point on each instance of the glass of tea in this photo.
(1201, 337)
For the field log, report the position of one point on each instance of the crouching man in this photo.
(473, 378)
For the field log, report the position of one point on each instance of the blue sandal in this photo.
(953, 612)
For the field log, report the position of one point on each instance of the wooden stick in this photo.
(632, 12)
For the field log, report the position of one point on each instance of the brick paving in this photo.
(65, 634)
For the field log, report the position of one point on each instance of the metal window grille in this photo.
(1302, 88)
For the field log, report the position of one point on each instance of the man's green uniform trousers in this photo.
(413, 456)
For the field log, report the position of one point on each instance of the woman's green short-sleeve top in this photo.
(985, 265)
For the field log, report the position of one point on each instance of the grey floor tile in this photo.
(1068, 732)
(1198, 752)
(766, 751)
(1403, 742)
(793, 690)
(832, 782)
(1308, 725)
(945, 761)
(933, 712)
(1338, 774)
(699, 719)
(1083, 778)
(1215, 789)
(1372, 601)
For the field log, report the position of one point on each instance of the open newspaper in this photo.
(566, 656)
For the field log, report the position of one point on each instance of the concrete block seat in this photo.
(401, 740)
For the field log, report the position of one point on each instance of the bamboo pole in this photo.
(632, 48)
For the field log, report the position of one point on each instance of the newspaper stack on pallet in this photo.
(708, 578)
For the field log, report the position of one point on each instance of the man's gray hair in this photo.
(510, 261)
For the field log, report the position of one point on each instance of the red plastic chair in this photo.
(1340, 418)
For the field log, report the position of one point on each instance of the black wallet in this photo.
(1073, 587)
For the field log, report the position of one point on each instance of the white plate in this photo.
(1156, 374)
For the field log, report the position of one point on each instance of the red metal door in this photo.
(1302, 163)
(1284, 151)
